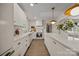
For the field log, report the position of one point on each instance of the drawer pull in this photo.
(26, 45)
(19, 43)
(19, 55)
(54, 42)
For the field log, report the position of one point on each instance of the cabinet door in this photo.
(22, 50)
(34, 35)
(24, 46)
(20, 47)
(20, 18)
(56, 49)
(60, 50)
(30, 37)
(49, 45)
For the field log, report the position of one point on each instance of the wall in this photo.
(6, 27)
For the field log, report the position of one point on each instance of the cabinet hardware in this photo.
(26, 45)
(54, 42)
(19, 43)
(19, 55)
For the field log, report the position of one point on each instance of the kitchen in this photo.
(56, 25)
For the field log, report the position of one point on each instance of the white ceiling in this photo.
(43, 11)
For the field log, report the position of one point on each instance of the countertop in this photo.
(72, 44)
(18, 37)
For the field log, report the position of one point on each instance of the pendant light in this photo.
(53, 21)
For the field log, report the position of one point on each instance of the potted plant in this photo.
(60, 27)
(66, 26)
(69, 24)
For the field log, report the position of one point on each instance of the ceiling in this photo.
(43, 11)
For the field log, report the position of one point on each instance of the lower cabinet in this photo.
(33, 36)
(57, 49)
(21, 45)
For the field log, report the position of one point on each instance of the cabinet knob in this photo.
(54, 42)
(26, 45)
(19, 43)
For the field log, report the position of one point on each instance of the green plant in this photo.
(69, 23)
(60, 26)
(66, 26)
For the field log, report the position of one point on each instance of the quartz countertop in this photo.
(18, 37)
(73, 44)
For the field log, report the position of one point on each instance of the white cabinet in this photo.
(20, 22)
(34, 35)
(20, 17)
(10, 15)
(55, 48)
(21, 46)
(59, 49)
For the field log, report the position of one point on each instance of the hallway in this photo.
(37, 48)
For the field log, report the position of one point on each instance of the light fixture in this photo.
(53, 21)
(31, 4)
(73, 10)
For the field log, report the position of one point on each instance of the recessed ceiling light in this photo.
(31, 4)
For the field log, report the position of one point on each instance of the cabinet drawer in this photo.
(17, 44)
(20, 51)
(55, 48)
(61, 50)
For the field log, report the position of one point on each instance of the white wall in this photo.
(6, 27)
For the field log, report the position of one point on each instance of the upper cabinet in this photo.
(19, 16)
(20, 19)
